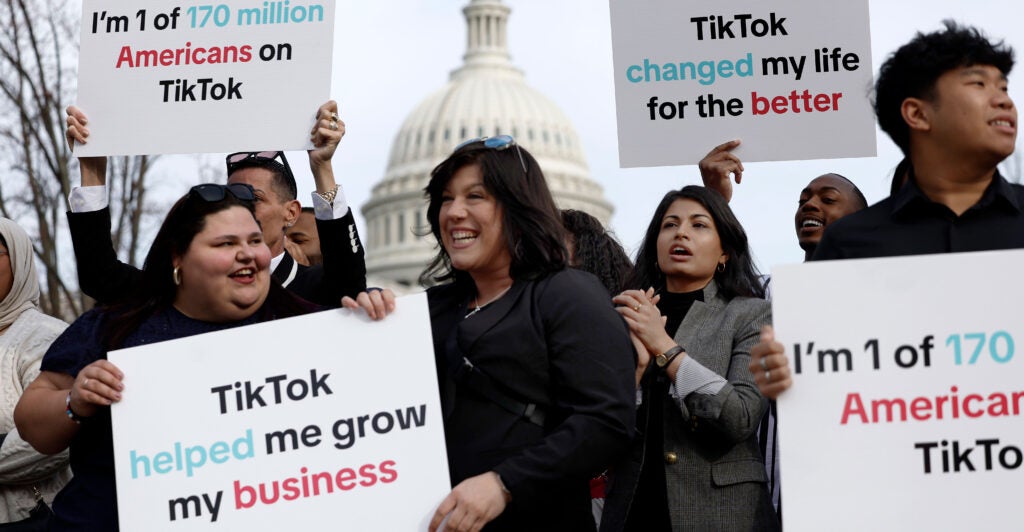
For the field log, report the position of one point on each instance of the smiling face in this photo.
(825, 199)
(225, 272)
(472, 231)
(971, 115)
(689, 249)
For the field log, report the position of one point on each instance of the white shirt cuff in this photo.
(692, 377)
(88, 199)
(325, 211)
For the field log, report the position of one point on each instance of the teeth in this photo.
(245, 271)
(811, 223)
(1006, 123)
(463, 235)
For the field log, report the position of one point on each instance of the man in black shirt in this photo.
(943, 100)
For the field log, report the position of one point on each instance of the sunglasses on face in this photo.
(212, 192)
(236, 159)
(499, 143)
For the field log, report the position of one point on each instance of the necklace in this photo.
(479, 307)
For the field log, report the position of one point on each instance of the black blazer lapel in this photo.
(470, 330)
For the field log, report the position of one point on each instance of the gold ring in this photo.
(764, 364)
(334, 116)
(334, 125)
(767, 376)
(85, 382)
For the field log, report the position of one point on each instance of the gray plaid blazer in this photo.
(714, 473)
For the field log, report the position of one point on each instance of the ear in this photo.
(916, 113)
(292, 209)
(724, 259)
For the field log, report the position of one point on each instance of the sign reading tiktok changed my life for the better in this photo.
(907, 400)
(321, 422)
(183, 76)
(788, 77)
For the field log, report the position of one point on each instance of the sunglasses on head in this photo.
(498, 142)
(237, 159)
(212, 192)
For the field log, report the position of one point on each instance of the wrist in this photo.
(72, 414)
(506, 494)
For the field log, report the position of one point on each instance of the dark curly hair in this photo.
(740, 277)
(595, 250)
(911, 71)
(533, 230)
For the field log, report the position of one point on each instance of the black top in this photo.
(556, 342)
(89, 501)
(649, 511)
(909, 223)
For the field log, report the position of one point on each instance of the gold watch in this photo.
(666, 358)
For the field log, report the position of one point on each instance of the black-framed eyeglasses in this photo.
(497, 142)
(237, 159)
(213, 192)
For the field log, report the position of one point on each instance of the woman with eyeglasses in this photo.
(533, 362)
(207, 270)
(28, 479)
(695, 307)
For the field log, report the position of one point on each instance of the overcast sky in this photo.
(390, 55)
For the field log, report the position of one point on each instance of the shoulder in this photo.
(573, 283)
(77, 346)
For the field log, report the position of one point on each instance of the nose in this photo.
(812, 204)
(246, 253)
(456, 209)
(1003, 100)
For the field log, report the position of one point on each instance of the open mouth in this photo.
(811, 223)
(463, 236)
(680, 251)
(244, 274)
(1005, 124)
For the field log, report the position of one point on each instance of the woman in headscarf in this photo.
(27, 478)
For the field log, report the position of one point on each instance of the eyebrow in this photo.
(980, 70)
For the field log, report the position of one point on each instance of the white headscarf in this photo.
(24, 292)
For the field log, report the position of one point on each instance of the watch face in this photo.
(660, 360)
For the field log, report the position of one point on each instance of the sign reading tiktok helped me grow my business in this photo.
(907, 399)
(790, 78)
(182, 76)
(321, 422)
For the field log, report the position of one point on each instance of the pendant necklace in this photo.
(479, 307)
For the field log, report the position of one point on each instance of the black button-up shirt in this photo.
(909, 223)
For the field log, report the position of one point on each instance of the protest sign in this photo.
(324, 421)
(186, 77)
(905, 410)
(790, 78)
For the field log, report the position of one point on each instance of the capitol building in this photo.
(486, 96)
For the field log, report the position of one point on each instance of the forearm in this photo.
(42, 420)
(323, 175)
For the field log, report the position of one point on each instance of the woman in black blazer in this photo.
(696, 308)
(534, 364)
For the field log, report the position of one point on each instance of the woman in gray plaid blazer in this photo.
(695, 310)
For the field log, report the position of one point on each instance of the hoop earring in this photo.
(720, 268)
(176, 275)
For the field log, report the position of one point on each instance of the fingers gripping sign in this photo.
(769, 365)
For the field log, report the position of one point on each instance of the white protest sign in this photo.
(190, 77)
(905, 410)
(790, 78)
(325, 421)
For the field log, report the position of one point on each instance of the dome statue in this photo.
(486, 96)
